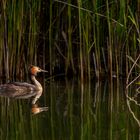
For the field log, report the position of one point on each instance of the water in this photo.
(92, 111)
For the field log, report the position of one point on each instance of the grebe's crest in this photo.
(34, 70)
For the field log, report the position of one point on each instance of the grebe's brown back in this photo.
(33, 70)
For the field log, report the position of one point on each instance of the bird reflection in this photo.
(22, 94)
(36, 109)
(34, 95)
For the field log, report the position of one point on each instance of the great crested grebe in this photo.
(33, 70)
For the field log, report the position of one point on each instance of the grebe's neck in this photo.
(36, 83)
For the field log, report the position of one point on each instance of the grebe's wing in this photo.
(17, 86)
(22, 84)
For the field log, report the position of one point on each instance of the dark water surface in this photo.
(90, 111)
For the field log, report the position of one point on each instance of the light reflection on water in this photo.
(96, 110)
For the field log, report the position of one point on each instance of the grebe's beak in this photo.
(43, 70)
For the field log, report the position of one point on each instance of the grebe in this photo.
(36, 86)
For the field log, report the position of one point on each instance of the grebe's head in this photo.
(34, 70)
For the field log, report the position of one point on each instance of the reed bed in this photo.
(83, 38)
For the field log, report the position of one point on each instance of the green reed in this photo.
(80, 39)
(86, 27)
(70, 60)
(96, 28)
(90, 38)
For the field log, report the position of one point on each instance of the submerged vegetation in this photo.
(85, 38)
